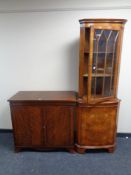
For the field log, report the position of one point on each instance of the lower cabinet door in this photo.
(97, 126)
(27, 124)
(59, 126)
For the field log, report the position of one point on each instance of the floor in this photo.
(64, 163)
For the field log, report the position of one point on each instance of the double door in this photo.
(42, 126)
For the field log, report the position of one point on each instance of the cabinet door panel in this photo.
(27, 125)
(104, 59)
(59, 126)
(98, 126)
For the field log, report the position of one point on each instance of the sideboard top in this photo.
(103, 20)
(65, 96)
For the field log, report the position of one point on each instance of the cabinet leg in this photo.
(80, 150)
(111, 150)
(17, 150)
(71, 150)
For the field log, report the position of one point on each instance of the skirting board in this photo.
(118, 134)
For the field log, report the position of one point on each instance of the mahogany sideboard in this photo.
(43, 120)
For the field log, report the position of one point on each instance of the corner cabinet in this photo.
(100, 51)
(43, 120)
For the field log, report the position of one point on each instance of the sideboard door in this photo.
(59, 126)
(97, 126)
(27, 125)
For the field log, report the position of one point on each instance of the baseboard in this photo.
(5, 130)
(124, 135)
(118, 134)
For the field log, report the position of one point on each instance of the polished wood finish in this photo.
(48, 120)
(43, 120)
(87, 51)
(44, 96)
(96, 125)
(97, 109)
(59, 126)
(27, 125)
(103, 20)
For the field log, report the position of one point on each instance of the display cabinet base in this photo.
(82, 149)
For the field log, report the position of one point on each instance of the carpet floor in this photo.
(64, 163)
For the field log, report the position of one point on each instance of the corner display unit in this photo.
(100, 50)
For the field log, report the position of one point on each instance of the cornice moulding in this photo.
(63, 9)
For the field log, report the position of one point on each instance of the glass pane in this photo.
(107, 86)
(99, 81)
(102, 42)
(100, 62)
(104, 60)
(108, 69)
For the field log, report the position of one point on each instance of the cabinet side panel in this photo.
(81, 61)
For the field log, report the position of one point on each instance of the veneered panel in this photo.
(27, 123)
(59, 125)
(97, 126)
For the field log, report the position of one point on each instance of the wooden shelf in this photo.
(87, 52)
(98, 75)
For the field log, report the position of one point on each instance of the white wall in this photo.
(36, 5)
(40, 51)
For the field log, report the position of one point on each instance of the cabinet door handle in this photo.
(44, 127)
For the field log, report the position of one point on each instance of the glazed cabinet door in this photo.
(27, 125)
(97, 126)
(104, 63)
(100, 49)
(59, 126)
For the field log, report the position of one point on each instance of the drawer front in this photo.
(97, 126)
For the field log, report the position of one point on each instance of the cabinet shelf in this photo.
(87, 52)
(98, 75)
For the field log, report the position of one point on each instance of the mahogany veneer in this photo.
(99, 62)
(96, 126)
(43, 120)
